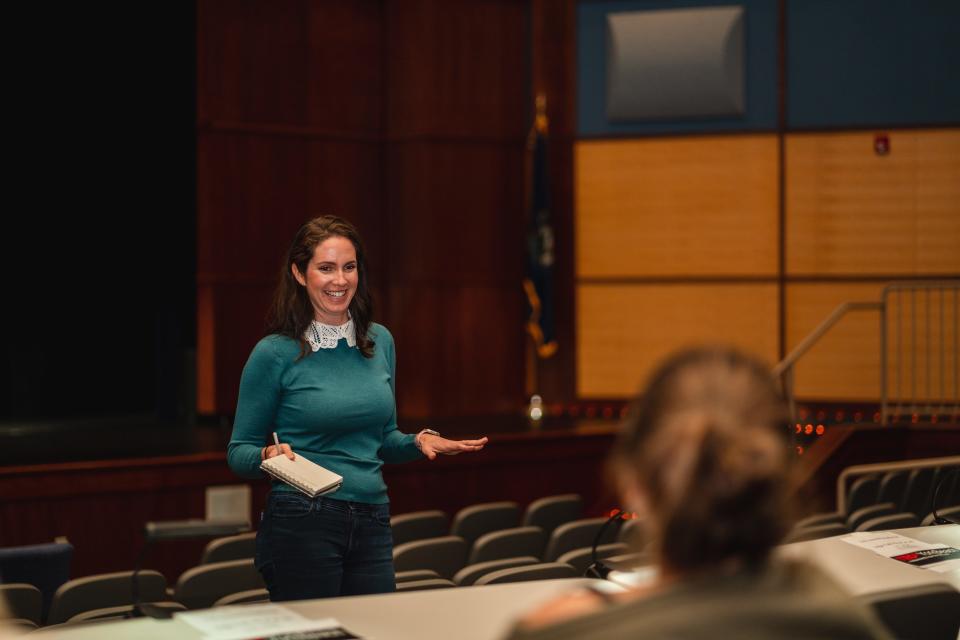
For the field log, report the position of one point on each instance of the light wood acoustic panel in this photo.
(704, 205)
(852, 211)
(624, 331)
(845, 364)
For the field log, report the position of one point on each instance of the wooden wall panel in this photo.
(851, 211)
(454, 212)
(408, 118)
(845, 364)
(296, 63)
(456, 351)
(623, 331)
(457, 67)
(678, 207)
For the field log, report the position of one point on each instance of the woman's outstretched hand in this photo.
(432, 445)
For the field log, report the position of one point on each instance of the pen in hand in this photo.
(280, 451)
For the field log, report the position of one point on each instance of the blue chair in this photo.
(45, 566)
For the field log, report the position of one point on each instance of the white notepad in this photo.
(305, 476)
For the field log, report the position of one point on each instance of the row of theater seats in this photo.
(494, 537)
(895, 499)
(108, 595)
(500, 537)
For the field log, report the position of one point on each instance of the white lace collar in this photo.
(326, 336)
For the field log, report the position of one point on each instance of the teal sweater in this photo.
(333, 406)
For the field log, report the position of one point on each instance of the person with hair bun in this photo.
(323, 380)
(704, 459)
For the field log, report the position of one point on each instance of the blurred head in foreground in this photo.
(703, 457)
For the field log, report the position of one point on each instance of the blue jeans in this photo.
(322, 548)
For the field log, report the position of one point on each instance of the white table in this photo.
(487, 612)
(475, 613)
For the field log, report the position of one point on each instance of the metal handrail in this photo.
(784, 368)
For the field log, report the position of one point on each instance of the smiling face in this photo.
(331, 279)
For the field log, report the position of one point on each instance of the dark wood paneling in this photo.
(295, 62)
(455, 213)
(407, 118)
(457, 68)
(457, 111)
(458, 351)
(256, 190)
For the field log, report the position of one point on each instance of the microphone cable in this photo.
(598, 569)
(938, 519)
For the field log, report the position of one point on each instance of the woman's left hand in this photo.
(432, 445)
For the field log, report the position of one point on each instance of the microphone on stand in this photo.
(937, 518)
(598, 569)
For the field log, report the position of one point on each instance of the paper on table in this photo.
(936, 557)
(251, 621)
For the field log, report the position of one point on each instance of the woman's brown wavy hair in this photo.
(291, 312)
(707, 447)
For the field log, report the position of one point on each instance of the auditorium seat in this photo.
(423, 585)
(800, 534)
(472, 522)
(45, 566)
(860, 516)
(445, 555)
(104, 591)
(238, 547)
(22, 601)
(918, 494)
(550, 512)
(200, 587)
(418, 525)
(628, 561)
(892, 487)
(542, 571)
(862, 493)
(930, 611)
(575, 535)
(18, 625)
(893, 521)
(416, 574)
(946, 512)
(121, 612)
(469, 574)
(632, 533)
(508, 543)
(580, 559)
(250, 596)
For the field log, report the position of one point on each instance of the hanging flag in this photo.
(538, 284)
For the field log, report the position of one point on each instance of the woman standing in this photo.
(323, 379)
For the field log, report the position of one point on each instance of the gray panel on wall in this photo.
(675, 63)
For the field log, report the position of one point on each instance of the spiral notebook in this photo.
(303, 475)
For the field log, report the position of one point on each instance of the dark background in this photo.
(100, 247)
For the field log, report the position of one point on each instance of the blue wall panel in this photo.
(761, 70)
(866, 62)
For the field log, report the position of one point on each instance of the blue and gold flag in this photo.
(538, 284)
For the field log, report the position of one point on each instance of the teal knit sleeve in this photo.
(256, 409)
(397, 446)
